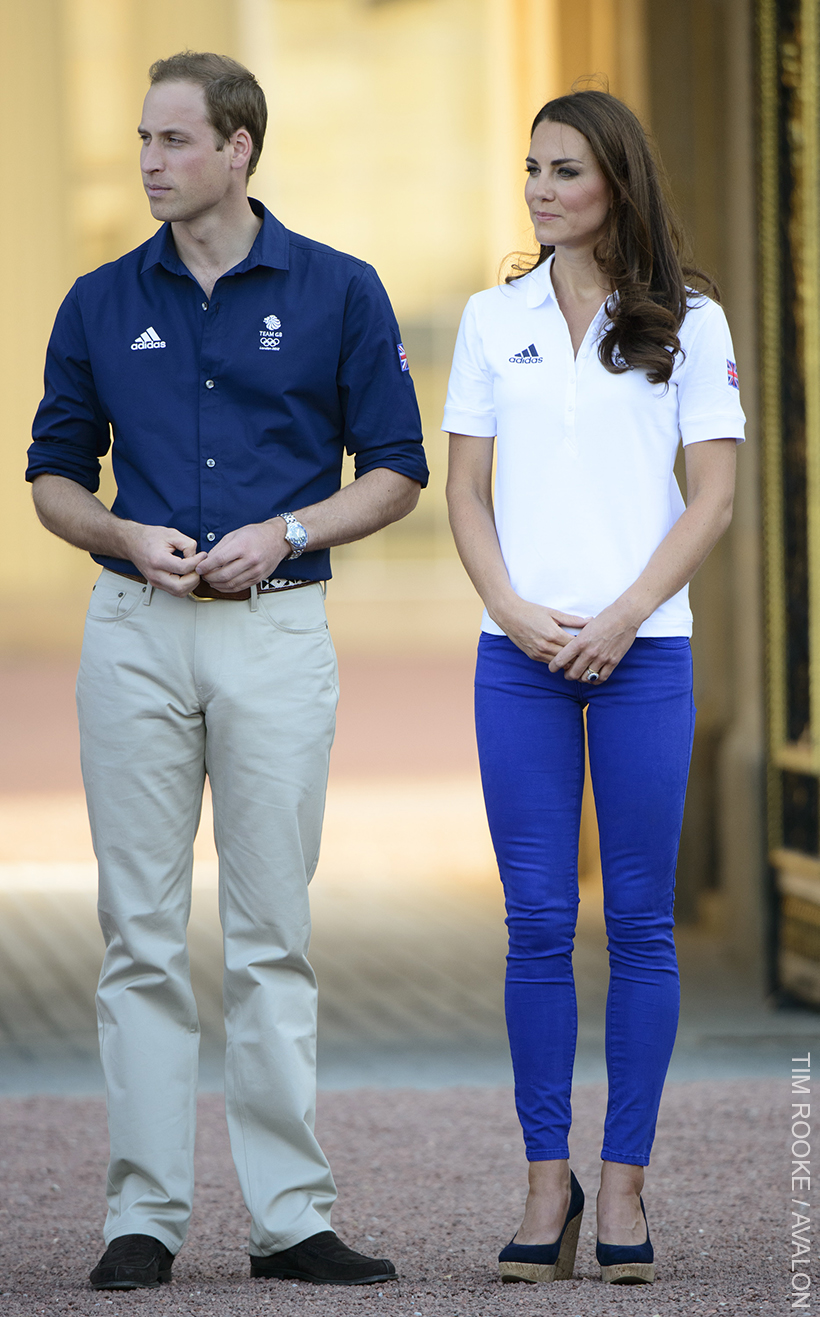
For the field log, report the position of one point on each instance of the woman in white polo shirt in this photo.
(585, 372)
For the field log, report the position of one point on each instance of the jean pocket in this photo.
(297, 612)
(113, 598)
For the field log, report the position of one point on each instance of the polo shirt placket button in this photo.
(209, 384)
(210, 537)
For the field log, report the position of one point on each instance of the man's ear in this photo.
(241, 144)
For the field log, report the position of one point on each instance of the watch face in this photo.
(296, 536)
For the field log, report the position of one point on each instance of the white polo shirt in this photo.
(585, 488)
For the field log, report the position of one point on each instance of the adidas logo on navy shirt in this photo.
(150, 339)
(529, 357)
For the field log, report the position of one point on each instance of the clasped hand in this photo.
(242, 558)
(600, 644)
(245, 556)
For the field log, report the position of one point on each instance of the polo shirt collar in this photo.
(539, 283)
(540, 289)
(271, 246)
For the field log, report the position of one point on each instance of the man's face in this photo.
(183, 173)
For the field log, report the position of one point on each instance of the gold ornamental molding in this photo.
(770, 384)
(789, 58)
(788, 44)
(810, 310)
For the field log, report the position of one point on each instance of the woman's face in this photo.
(567, 194)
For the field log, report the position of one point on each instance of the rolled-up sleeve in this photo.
(470, 405)
(70, 432)
(382, 426)
(707, 380)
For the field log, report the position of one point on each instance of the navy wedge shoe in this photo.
(627, 1264)
(539, 1262)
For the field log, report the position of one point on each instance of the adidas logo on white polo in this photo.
(150, 339)
(529, 357)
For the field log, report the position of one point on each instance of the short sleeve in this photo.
(382, 422)
(470, 406)
(707, 380)
(71, 431)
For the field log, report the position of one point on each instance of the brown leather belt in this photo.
(206, 591)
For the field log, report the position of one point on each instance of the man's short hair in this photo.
(233, 97)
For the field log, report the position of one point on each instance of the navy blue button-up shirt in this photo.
(226, 412)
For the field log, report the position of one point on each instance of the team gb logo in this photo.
(270, 338)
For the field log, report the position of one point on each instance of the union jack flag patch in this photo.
(405, 364)
(732, 369)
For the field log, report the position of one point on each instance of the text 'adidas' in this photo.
(150, 339)
(529, 357)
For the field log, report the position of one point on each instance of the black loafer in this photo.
(133, 1262)
(323, 1260)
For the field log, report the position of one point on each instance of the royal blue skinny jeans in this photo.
(530, 731)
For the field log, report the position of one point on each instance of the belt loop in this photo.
(254, 600)
(148, 591)
(324, 589)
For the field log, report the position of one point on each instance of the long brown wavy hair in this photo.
(641, 249)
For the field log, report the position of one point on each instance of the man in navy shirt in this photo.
(233, 362)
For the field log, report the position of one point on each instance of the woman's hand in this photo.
(710, 483)
(537, 630)
(600, 646)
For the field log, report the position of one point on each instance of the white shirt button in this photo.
(209, 384)
(210, 537)
(204, 306)
(210, 462)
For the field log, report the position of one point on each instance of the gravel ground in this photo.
(434, 1180)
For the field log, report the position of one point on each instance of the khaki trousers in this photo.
(169, 690)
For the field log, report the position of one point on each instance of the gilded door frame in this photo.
(791, 60)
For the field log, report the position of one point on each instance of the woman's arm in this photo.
(710, 485)
(536, 630)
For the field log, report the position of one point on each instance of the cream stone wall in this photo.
(377, 140)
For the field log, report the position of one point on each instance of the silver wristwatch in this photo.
(295, 534)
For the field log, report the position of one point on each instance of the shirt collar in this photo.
(539, 283)
(270, 246)
(540, 289)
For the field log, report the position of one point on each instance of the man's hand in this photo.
(600, 646)
(252, 553)
(152, 550)
(72, 512)
(245, 557)
(539, 631)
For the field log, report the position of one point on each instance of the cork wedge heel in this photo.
(629, 1273)
(536, 1263)
(627, 1264)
